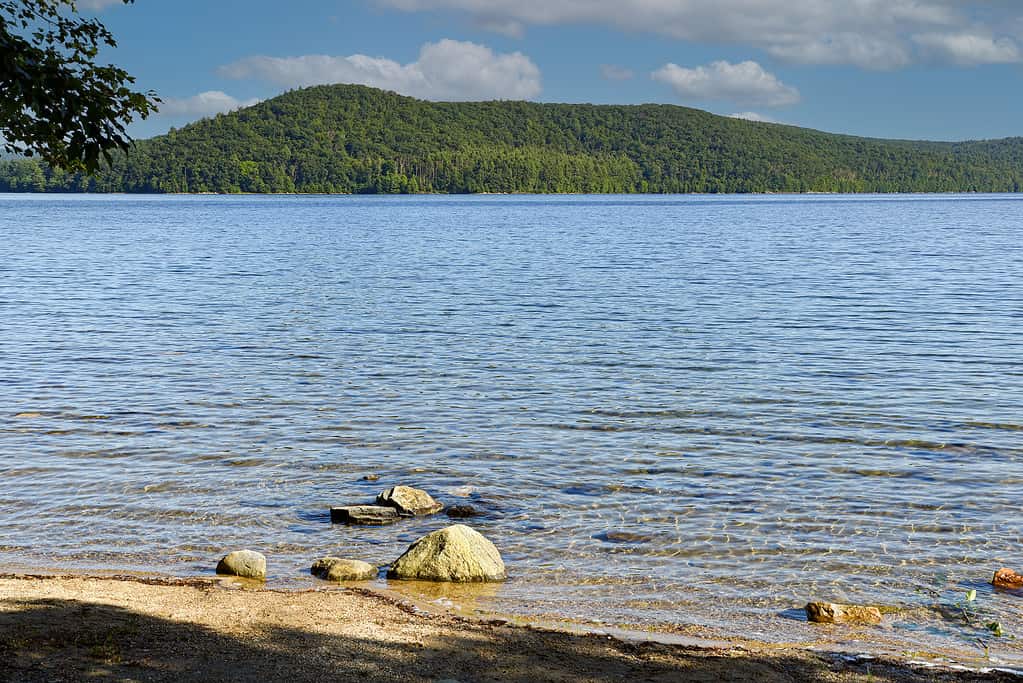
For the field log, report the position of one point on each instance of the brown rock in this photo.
(409, 501)
(835, 613)
(365, 515)
(1006, 578)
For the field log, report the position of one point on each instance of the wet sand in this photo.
(82, 628)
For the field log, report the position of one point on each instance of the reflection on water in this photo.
(672, 411)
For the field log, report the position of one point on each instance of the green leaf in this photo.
(995, 628)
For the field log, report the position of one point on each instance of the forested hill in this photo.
(351, 139)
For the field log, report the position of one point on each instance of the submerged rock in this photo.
(461, 511)
(1007, 578)
(409, 501)
(456, 554)
(613, 536)
(367, 515)
(245, 563)
(835, 613)
(339, 569)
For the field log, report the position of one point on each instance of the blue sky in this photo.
(934, 69)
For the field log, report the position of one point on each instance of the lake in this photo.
(690, 413)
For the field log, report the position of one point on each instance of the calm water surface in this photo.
(672, 411)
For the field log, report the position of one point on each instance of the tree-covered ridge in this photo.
(354, 139)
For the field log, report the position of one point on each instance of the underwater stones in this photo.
(835, 613)
(339, 569)
(465, 491)
(461, 511)
(1007, 578)
(618, 536)
(409, 501)
(366, 515)
(245, 563)
(456, 554)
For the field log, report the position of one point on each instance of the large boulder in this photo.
(457, 554)
(409, 501)
(245, 563)
(338, 569)
(835, 613)
(367, 515)
(1007, 578)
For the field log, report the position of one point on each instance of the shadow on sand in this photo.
(67, 640)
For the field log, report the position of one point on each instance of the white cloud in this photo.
(446, 70)
(969, 49)
(752, 116)
(612, 72)
(845, 48)
(876, 34)
(744, 83)
(204, 104)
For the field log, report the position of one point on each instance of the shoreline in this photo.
(150, 627)
(778, 193)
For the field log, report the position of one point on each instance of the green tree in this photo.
(55, 100)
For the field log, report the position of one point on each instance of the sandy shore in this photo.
(80, 628)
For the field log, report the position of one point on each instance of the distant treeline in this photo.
(354, 139)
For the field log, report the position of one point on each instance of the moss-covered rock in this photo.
(456, 553)
(409, 501)
(245, 563)
(339, 569)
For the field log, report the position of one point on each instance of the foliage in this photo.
(354, 139)
(56, 101)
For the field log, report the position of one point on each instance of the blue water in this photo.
(672, 411)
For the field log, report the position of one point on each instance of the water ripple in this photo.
(667, 409)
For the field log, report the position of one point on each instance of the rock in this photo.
(245, 563)
(613, 536)
(834, 613)
(461, 511)
(409, 501)
(338, 569)
(1006, 578)
(457, 554)
(371, 477)
(366, 515)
